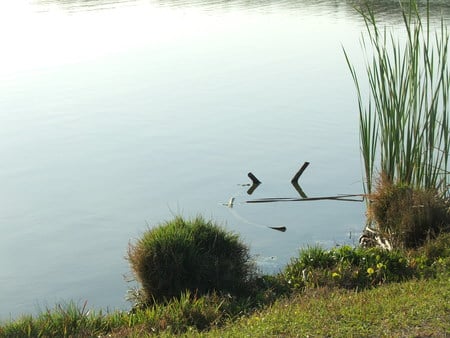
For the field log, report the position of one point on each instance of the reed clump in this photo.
(404, 125)
(405, 122)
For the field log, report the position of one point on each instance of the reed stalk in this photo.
(404, 121)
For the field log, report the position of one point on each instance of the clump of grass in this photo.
(64, 320)
(185, 313)
(408, 216)
(347, 267)
(194, 255)
(405, 122)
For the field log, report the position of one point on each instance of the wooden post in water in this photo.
(253, 178)
(255, 183)
(299, 173)
(294, 180)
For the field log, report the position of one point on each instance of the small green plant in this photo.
(438, 247)
(195, 255)
(433, 258)
(346, 267)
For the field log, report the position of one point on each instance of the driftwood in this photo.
(255, 183)
(372, 238)
(347, 198)
(253, 178)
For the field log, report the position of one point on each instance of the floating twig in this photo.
(288, 199)
(279, 228)
(282, 229)
(230, 203)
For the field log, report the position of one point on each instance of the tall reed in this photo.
(405, 122)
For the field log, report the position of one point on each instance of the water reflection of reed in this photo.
(82, 5)
(386, 9)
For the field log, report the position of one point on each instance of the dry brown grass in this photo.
(408, 216)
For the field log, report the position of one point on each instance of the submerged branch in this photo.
(346, 198)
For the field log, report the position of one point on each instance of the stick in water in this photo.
(230, 206)
(253, 178)
(299, 173)
(282, 229)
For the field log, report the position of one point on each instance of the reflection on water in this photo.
(82, 5)
(387, 10)
(113, 120)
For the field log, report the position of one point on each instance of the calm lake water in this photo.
(117, 115)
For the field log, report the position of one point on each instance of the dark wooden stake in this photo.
(299, 173)
(253, 178)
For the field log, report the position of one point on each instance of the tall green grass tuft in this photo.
(195, 255)
(405, 122)
(64, 320)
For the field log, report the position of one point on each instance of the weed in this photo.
(347, 267)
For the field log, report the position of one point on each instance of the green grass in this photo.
(414, 308)
(409, 309)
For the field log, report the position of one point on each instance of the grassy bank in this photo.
(306, 299)
(409, 309)
(322, 292)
